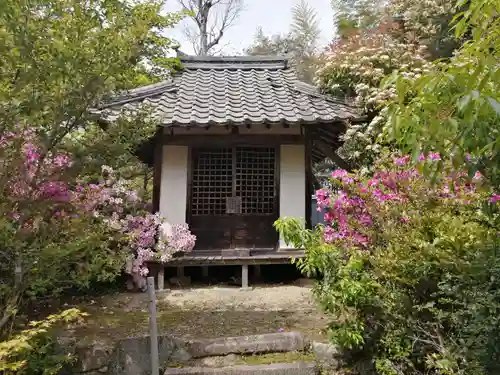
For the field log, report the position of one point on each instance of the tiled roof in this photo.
(232, 91)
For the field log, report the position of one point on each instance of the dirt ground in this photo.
(203, 312)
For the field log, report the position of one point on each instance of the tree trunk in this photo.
(11, 306)
(145, 183)
(204, 9)
(9, 312)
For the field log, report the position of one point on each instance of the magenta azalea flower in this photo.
(339, 173)
(434, 156)
(494, 198)
(402, 161)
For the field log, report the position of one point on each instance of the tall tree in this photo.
(274, 45)
(352, 15)
(380, 38)
(305, 30)
(431, 23)
(60, 58)
(305, 27)
(426, 21)
(212, 18)
(300, 43)
(454, 108)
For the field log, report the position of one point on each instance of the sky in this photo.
(274, 16)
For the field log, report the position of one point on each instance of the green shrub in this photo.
(410, 270)
(34, 350)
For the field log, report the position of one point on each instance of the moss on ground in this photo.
(270, 358)
(252, 360)
(123, 315)
(116, 324)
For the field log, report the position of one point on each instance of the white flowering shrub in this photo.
(408, 36)
(429, 22)
(455, 109)
(356, 67)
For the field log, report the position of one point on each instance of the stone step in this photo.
(296, 368)
(236, 359)
(253, 344)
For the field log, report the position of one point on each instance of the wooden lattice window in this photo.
(255, 179)
(212, 181)
(239, 180)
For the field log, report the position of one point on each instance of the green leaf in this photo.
(463, 102)
(495, 105)
(415, 154)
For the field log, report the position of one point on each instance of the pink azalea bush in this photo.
(114, 202)
(407, 264)
(389, 197)
(98, 229)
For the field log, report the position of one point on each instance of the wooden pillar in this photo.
(153, 326)
(157, 166)
(180, 272)
(204, 272)
(257, 272)
(244, 276)
(309, 176)
(161, 277)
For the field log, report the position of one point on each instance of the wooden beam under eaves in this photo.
(328, 151)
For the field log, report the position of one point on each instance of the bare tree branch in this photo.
(212, 19)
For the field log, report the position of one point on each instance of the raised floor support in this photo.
(180, 272)
(257, 275)
(244, 276)
(204, 272)
(161, 278)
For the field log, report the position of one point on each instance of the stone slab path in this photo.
(284, 297)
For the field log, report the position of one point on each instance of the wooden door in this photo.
(233, 197)
(255, 182)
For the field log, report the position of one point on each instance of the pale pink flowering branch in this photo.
(111, 201)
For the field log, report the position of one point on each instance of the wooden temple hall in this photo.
(235, 152)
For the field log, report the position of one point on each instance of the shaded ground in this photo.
(203, 312)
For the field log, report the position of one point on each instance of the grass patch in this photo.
(113, 324)
(270, 358)
(250, 360)
(124, 315)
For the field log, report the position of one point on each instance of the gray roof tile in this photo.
(232, 90)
